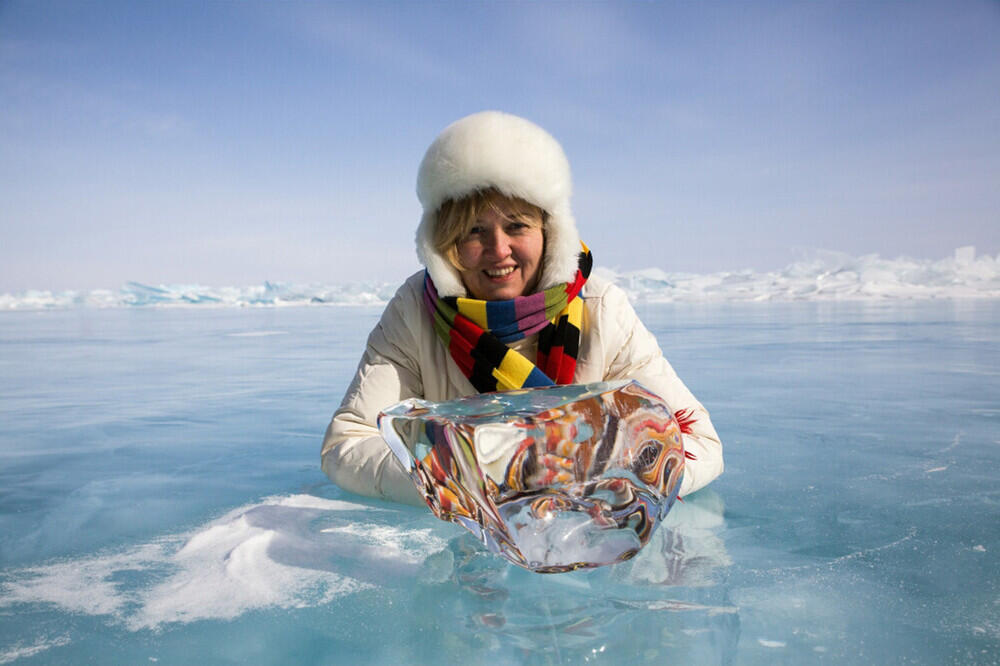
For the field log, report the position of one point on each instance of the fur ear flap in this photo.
(562, 250)
(517, 157)
(446, 278)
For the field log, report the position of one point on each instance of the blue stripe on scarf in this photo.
(500, 316)
(536, 378)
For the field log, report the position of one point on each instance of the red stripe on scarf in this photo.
(463, 339)
(554, 363)
(541, 361)
(572, 289)
(461, 351)
(559, 367)
(467, 329)
(567, 368)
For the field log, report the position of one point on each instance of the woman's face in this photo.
(502, 255)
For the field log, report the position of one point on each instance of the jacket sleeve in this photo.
(354, 455)
(634, 353)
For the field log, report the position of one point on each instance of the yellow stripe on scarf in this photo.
(574, 312)
(475, 310)
(513, 370)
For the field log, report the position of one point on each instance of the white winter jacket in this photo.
(404, 358)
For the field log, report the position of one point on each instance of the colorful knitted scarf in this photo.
(476, 333)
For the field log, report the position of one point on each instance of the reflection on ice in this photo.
(687, 550)
(643, 610)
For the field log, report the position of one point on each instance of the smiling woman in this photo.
(506, 301)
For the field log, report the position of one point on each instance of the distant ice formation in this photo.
(824, 276)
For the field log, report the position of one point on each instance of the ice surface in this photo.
(554, 479)
(823, 276)
(161, 500)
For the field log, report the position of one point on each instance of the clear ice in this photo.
(553, 479)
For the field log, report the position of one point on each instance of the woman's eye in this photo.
(475, 231)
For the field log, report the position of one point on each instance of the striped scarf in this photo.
(476, 333)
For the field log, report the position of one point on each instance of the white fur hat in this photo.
(518, 158)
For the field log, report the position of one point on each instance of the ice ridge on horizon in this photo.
(823, 276)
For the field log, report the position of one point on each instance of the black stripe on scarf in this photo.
(563, 334)
(487, 355)
(571, 339)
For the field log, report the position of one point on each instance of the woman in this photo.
(506, 301)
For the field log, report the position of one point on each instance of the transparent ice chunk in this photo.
(553, 479)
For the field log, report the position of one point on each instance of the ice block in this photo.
(553, 479)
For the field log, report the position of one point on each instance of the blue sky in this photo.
(232, 143)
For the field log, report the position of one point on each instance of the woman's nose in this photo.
(498, 243)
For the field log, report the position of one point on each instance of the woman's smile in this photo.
(501, 273)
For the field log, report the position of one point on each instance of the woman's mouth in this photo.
(499, 273)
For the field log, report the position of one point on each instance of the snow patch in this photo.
(273, 554)
(22, 651)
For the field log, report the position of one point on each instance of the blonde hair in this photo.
(456, 217)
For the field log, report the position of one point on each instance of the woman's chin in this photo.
(500, 293)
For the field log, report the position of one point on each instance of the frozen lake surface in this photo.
(161, 500)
